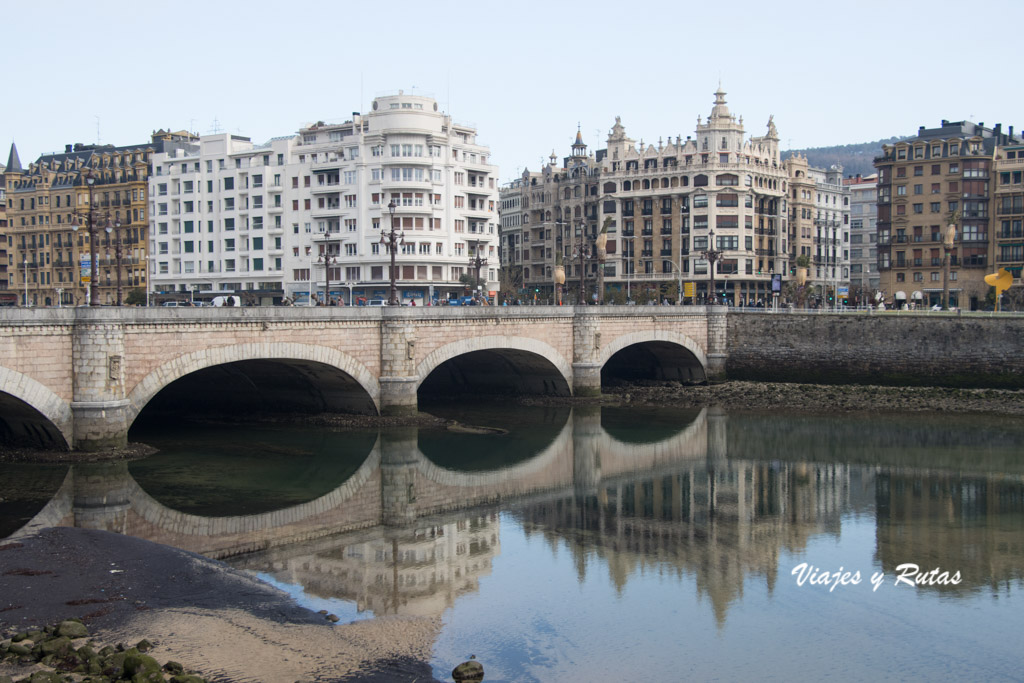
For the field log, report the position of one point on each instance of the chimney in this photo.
(945, 123)
(67, 149)
(1011, 132)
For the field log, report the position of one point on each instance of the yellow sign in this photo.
(689, 289)
(1002, 280)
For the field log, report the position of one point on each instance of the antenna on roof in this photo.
(216, 126)
(97, 130)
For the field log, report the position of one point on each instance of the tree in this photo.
(136, 297)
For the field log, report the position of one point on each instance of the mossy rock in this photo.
(19, 649)
(59, 646)
(72, 629)
(173, 668)
(144, 645)
(148, 677)
(137, 663)
(187, 678)
(45, 677)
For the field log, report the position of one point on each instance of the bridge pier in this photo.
(586, 351)
(718, 348)
(98, 406)
(398, 381)
(399, 453)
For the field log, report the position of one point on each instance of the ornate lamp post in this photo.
(25, 264)
(712, 255)
(392, 240)
(476, 261)
(327, 260)
(117, 253)
(948, 239)
(581, 251)
(91, 217)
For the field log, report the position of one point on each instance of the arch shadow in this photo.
(659, 354)
(22, 401)
(496, 362)
(303, 359)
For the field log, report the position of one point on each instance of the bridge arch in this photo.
(186, 364)
(657, 337)
(38, 397)
(518, 346)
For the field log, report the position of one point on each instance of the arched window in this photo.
(609, 188)
(664, 182)
(684, 181)
(727, 179)
(566, 194)
(647, 184)
(700, 180)
(626, 186)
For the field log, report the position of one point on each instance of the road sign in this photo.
(689, 289)
(85, 266)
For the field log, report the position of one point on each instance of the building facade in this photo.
(939, 177)
(7, 297)
(49, 210)
(303, 217)
(819, 228)
(661, 207)
(1008, 176)
(864, 282)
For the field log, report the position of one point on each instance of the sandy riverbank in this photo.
(224, 623)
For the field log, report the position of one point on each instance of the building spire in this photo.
(13, 162)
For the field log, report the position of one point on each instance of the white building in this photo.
(864, 277)
(299, 212)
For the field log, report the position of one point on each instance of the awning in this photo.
(916, 295)
(900, 295)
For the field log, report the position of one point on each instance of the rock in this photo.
(6, 679)
(18, 637)
(469, 672)
(144, 645)
(148, 677)
(72, 629)
(174, 668)
(187, 678)
(20, 649)
(136, 663)
(333, 618)
(45, 677)
(59, 646)
(86, 652)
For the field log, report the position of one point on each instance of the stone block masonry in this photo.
(889, 349)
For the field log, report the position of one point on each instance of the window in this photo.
(350, 250)
(229, 183)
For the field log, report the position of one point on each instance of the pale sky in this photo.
(524, 72)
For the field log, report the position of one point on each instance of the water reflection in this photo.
(407, 521)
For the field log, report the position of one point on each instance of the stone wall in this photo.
(891, 349)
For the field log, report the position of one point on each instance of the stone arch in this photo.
(493, 343)
(188, 363)
(616, 345)
(39, 397)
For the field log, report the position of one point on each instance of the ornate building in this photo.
(50, 200)
(660, 208)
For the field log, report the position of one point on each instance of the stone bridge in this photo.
(395, 486)
(79, 377)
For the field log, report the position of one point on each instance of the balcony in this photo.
(647, 231)
(666, 231)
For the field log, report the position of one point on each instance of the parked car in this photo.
(176, 304)
(376, 302)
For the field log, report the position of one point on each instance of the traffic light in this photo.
(537, 289)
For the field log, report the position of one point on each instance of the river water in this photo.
(606, 544)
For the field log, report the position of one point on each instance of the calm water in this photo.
(607, 545)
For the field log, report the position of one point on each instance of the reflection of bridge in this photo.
(393, 487)
(81, 376)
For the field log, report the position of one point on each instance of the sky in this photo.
(525, 73)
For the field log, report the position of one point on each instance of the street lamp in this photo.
(581, 251)
(327, 260)
(948, 239)
(26, 281)
(475, 261)
(712, 255)
(91, 217)
(392, 240)
(117, 253)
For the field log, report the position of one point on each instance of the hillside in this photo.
(855, 158)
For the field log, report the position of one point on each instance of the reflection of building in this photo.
(718, 523)
(419, 571)
(973, 525)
